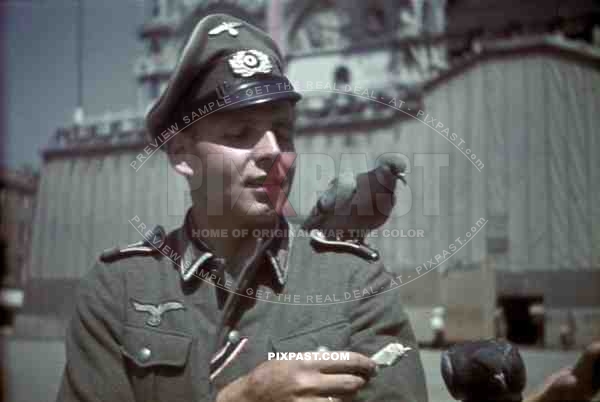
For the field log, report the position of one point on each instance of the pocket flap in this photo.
(147, 348)
(334, 336)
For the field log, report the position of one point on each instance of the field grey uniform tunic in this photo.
(125, 343)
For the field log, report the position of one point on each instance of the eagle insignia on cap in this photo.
(230, 27)
(249, 62)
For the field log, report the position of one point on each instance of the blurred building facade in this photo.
(18, 189)
(493, 108)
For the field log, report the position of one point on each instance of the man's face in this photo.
(245, 158)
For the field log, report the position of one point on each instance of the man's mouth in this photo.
(275, 188)
(267, 182)
(256, 182)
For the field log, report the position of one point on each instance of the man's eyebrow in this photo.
(286, 121)
(277, 118)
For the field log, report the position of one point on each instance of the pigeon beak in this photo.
(401, 176)
(398, 171)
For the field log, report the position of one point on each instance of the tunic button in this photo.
(234, 336)
(144, 354)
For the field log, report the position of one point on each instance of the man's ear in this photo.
(179, 157)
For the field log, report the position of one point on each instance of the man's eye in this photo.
(237, 133)
(283, 127)
(284, 131)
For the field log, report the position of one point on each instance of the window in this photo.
(349, 140)
(21, 233)
(153, 89)
(342, 75)
(155, 8)
(375, 18)
(154, 45)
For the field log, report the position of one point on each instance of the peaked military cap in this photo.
(226, 64)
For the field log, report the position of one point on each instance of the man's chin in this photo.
(258, 215)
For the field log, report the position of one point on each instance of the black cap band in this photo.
(268, 89)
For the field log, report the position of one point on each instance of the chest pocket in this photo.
(333, 336)
(156, 363)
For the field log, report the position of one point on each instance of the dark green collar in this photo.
(196, 254)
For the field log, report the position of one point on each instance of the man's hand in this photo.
(573, 383)
(301, 380)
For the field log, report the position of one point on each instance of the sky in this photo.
(38, 79)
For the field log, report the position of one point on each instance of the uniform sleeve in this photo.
(95, 369)
(377, 321)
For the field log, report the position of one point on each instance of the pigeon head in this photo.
(394, 164)
(490, 370)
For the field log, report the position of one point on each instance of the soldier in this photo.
(567, 331)
(193, 318)
(438, 326)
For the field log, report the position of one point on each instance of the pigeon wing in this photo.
(339, 193)
(326, 202)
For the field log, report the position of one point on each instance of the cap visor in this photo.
(247, 101)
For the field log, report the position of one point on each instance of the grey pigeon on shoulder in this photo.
(354, 206)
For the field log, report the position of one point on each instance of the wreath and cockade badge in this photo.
(249, 62)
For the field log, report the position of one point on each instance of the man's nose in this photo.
(266, 151)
